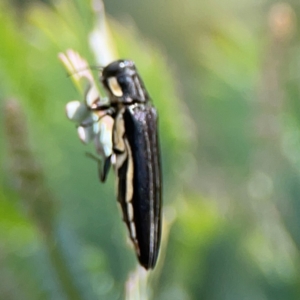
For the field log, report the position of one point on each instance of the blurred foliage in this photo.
(224, 76)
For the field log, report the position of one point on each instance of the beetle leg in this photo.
(103, 168)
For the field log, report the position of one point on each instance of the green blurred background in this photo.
(225, 77)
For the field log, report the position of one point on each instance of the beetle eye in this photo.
(114, 87)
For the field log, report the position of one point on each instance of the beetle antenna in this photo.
(97, 68)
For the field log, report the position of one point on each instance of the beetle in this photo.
(136, 151)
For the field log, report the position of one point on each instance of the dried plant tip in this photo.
(25, 170)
